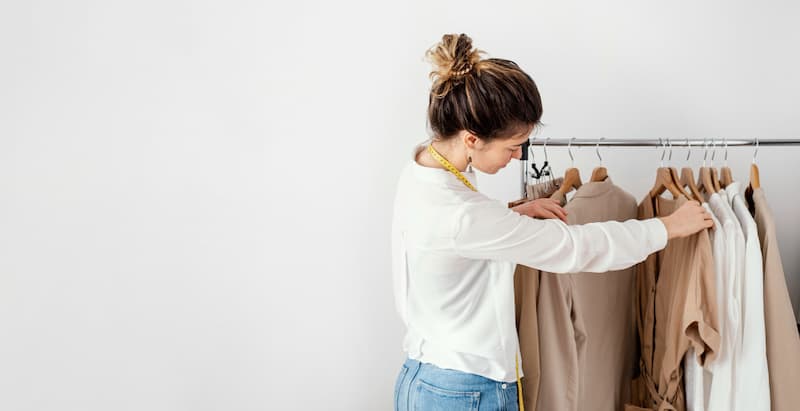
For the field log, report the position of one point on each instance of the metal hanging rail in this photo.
(718, 142)
(704, 144)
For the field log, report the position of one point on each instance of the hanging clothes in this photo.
(586, 327)
(783, 343)
(676, 306)
(526, 296)
(752, 376)
(720, 395)
(698, 380)
(539, 190)
(544, 189)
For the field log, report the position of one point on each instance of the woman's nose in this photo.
(517, 153)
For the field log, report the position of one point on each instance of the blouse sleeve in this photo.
(487, 229)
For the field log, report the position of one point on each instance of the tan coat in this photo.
(783, 343)
(676, 307)
(577, 334)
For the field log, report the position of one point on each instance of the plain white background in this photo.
(195, 197)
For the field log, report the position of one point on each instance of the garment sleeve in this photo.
(486, 229)
(701, 316)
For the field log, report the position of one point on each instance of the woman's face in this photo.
(492, 156)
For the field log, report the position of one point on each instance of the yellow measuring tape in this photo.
(443, 161)
(450, 167)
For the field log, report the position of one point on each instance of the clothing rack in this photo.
(710, 143)
(666, 143)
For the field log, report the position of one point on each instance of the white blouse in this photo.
(454, 252)
(751, 373)
(721, 395)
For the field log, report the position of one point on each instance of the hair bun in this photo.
(452, 59)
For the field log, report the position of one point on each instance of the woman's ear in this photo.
(470, 140)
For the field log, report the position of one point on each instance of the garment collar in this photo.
(594, 188)
(733, 188)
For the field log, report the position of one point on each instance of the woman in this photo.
(455, 250)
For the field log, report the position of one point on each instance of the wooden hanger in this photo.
(705, 182)
(665, 181)
(726, 177)
(599, 173)
(715, 179)
(674, 172)
(687, 180)
(755, 182)
(675, 178)
(572, 177)
(714, 175)
(572, 180)
(687, 176)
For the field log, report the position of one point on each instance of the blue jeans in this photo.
(426, 387)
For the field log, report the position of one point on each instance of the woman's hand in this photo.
(687, 220)
(542, 208)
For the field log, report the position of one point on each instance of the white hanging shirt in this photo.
(454, 251)
(751, 374)
(720, 395)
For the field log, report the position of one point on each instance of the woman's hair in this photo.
(491, 98)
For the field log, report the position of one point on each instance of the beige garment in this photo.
(538, 190)
(526, 291)
(783, 343)
(545, 189)
(586, 327)
(676, 306)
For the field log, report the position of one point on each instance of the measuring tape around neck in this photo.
(446, 164)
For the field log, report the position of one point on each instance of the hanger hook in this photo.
(597, 150)
(544, 147)
(662, 144)
(688, 152)
(713, 151)
(756, 151)
(705, 151)
(726, 151)
(669, 159)
(569, 150)
(530, 147)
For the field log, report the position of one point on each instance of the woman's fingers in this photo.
(553, 210)
(560, 212)
(687, 220)
(709, 222)
(543, 208)
(544, 213)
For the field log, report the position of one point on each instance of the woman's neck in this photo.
(449, 152)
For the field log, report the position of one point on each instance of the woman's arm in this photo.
(486, 229)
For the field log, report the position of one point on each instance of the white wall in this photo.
(195, 197)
